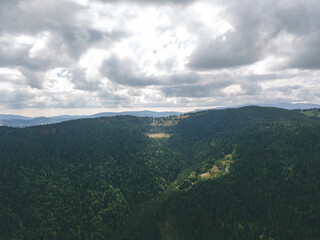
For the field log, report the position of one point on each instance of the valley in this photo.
(244, 173)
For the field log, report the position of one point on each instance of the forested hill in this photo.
(245, 173)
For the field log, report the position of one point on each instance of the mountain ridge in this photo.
(22, 121)
(254, 169)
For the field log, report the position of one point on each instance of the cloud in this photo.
(250, 88)
(149, 53)
(206, 86)
(307, 53)
(125, 72)
(294, 17)
(35, 79)
(67, 35)
(212, 90)
(256, 29)
(77, 39)
(84, 80)
(34, 16)
(231, 50)
(241, 44)
(12, 98)
(160, 2)
(193, 91)
(301, 19)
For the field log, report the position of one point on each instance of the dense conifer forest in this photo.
(245, 173)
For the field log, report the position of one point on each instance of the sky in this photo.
(88, 56)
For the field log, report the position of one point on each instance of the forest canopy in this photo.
(245, 173)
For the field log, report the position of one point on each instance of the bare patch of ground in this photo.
(205, 175)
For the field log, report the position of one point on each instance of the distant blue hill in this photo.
(137, 114)
(10, 117)
(21, 121)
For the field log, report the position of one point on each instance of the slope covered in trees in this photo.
(246, 173)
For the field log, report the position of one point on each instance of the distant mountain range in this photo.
(22, 121)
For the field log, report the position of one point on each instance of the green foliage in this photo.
(314, 113)
(105, 178)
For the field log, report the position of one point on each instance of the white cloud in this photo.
(157, 54)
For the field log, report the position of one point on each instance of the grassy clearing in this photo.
(158, 135)
(220, 168)
(312, 113)
(188, 179)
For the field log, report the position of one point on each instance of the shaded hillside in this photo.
(270, 189)
(246, 173)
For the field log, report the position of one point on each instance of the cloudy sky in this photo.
(86, 56)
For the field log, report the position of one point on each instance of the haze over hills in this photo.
(22, 121)
(244, 173)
